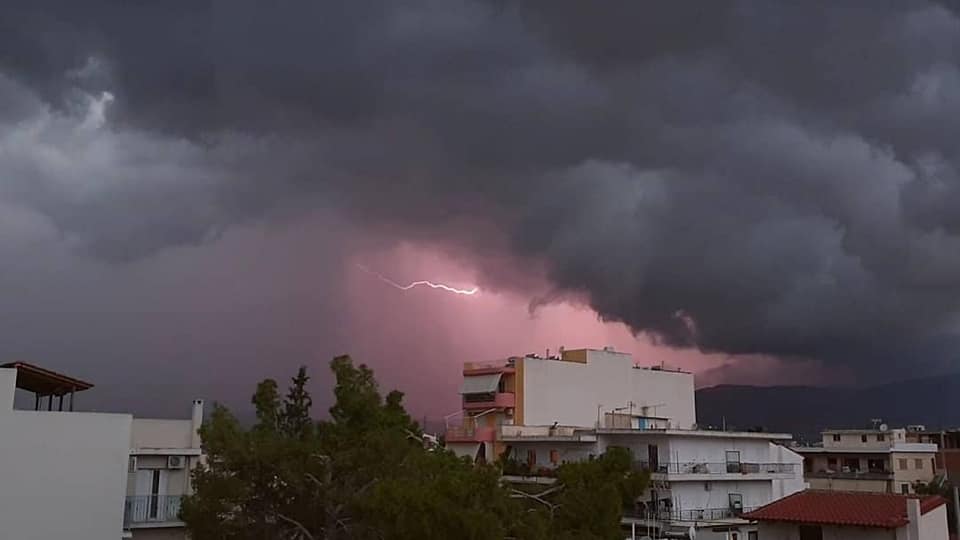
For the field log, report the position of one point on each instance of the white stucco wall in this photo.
(783, 531)
(569, 392)
(933, 524)
(62, 474)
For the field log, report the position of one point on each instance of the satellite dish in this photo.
(883, 427)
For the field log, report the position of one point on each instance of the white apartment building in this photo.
(87, 476)
(162, 454)
(547, 411)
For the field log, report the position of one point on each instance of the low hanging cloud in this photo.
(743, 177)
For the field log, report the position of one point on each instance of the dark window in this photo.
(733, 461)
(880, 437)
(832, 463)
(876, 465)
(531, 457)
(905, 489)
(811, 532)
(852, 464)
(836, 437)
(863, 438)
(753, 535)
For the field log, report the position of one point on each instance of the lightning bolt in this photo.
(432, 285)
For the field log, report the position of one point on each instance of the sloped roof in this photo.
(860, 509)
(45, 382)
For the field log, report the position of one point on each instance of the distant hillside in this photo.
(805, 411)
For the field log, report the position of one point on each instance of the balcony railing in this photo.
(151, 509)
(851, 475)
(718, 468)
(705, 514)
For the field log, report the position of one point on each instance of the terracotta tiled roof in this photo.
(886, 510)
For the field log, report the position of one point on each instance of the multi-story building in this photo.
(162, 454)
(878, 460)
(948, 448)
(544, 411)
(87, 476)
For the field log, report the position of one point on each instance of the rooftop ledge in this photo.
(700, 433)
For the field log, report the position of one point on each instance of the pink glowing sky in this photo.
(419, 338)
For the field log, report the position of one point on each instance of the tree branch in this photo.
(296, 524)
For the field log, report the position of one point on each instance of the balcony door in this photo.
(149, 497)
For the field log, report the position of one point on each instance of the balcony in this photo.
(151, 510)
(493, 400)
(705, 514)
(470, 434)
(706, 471)
(852, 475)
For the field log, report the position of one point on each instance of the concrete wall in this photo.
(912, 473)
(569, 392)
(843, 484)
(174, 533)
(783, 531)
(933, 524)
(696, 495)
(62, 474)
(155, 433)
(855, 439)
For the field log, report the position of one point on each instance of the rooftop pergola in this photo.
(44, 383)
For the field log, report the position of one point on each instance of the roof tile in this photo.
(885, 510)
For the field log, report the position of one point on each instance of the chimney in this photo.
(195, 422)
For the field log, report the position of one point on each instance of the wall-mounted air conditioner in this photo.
(175, 462)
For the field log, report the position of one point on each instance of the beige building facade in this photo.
(875, 460)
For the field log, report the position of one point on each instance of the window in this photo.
(902, 464)
(734, 536)
(836, 437)
(863, 438)
(811, 532)
(918, 464)
(733, 461)
(753, 535)
(876, 465)
(905, 489)
(531, 457)
(554, 457)
(736, 503)
(880, 437)
(832, 463)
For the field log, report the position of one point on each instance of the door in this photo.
(150, 501)
(653, 457)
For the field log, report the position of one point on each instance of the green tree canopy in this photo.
(365, 474)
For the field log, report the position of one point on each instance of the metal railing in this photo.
(151, 509)
(717, 468)
(703, 514)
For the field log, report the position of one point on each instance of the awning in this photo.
(481, 384)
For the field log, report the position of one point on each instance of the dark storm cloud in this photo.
(748, 177)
